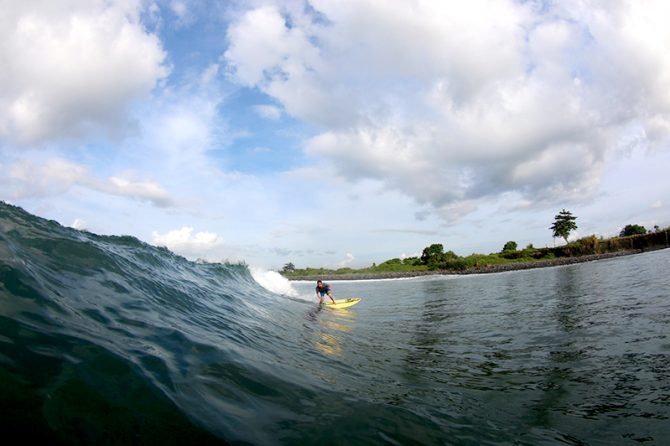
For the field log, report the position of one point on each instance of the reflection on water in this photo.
(326, 329)
(334, 325)
(569, 355)
(329, 345)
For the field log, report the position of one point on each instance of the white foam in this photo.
(273, 281)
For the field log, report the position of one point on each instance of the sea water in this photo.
(107, 340)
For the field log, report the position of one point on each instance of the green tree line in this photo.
(434, 257)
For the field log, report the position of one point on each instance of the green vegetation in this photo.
(510, 246)
(632, 230)
(438, 261)
(288, 268)
(410, 264)
(564, 224)
(434, 257)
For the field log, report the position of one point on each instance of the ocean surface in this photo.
(108, 340)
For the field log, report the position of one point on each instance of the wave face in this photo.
(108, 340)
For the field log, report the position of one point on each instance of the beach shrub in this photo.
(509, 246)
(414, 261)
(543, 253)
(455, 264)
(629, 230)
(432, 254)
(512, 254)
(586, 245)
(345, 270)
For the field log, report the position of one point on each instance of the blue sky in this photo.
(335, 133)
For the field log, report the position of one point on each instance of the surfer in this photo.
(322, 289)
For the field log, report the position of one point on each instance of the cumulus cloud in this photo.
(183, 241)
(347, 261)
(454, 102)
(28, 179)
(72, 68)
(143, 190)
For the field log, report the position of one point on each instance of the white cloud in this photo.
(72, 68)
(179, 8)
(454, 102)
(143, 190)
(347, 261)
(29, 179)
(268, 112)
(25, 178)
(270, 44)
(183, 241)
(179, 128)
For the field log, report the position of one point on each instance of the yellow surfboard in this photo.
(342, 303)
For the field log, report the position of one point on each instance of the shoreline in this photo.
(488, 269)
